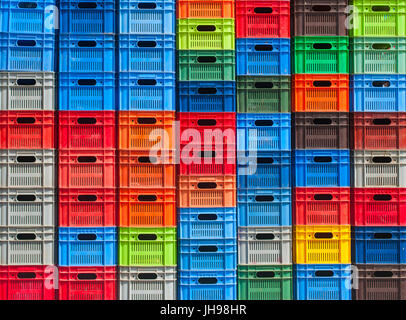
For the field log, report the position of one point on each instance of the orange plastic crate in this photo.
(214, 9)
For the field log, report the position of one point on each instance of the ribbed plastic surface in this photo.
(214, 9)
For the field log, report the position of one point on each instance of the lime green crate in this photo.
(205, 34)
(378, 18)
(147, 247)
(265, 282)
(269, 94)
(321, 55)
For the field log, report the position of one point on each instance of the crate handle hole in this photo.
(207, 217)
(87, 159)
(382, 197)
(323, 159)
(87, 197)
(206, 122)
(146, 82)
(27, 5)
(147, 237)
(146, 44)
(26, 82)
(26, 159)
(207, 185)
(264, 123)
(207, 154)
(381, 159)
(207, 91)
(263, 85)
(87, 237)
(87, 276)
(207, 280)
(26, 236)
(381, 46)
(26, 120)
(26, 197)
(264, 198)
(265, 236)
(382, 235)
(263, 47)
(147, 197)
(208, 248)
(323, 197)
(324, 273)
(321, 8)
(322, 84)
(26, 43)
(322, 46)
(87, 82)
(147, 276)
(86, 120)
(87, 44)
(147, 159)
(266, 274)
(382, 122)
(147, 5)
(26, 275)
(207, 59)
(146, 120)
(265, 160)
(263, 10)
(206, 28)
(87, 5)
(322, 121)
(323, 235)
(381, 84)
(383, 274)
(381, 8)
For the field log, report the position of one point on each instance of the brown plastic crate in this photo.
(380, 282)
(321, 130)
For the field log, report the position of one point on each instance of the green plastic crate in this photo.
(205, 34)
(265, 282)
(137, 247)
(321, 55)
(269, 94)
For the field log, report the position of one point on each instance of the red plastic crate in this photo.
(27, 282)
(262, 19)
(27, 129)
(378, 207)
(87, 283)
(85, 130)
(87, 207)
(321, 206)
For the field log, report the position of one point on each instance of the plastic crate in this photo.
(264, 207)
(327, 244)
(147, 247)
(27, 246)
(87, 246)
(87, 91)
(321, 130)
(263, 94)
(207, 223)
(146, 53)
(206, 65)
(27, 207)
(87, 130)
(320, 93)
(378, 55)
(147, 283)
(207, 285)
(320, 17)
(214, 9)
(265, 282)
(146, 16)
(87, 17)
(263, 132)
(87, 283)
(264, 245)
(378, 169)
(379, 245)
(205, 34)
(321, 206)
(27, 168)
(263, 57)
(206, 96)
(378, 207)
(86, 53)
(322, 281)
(27, 52)
(27, 130)
(206, 191)
(87, 207)
(262, 19)
(27, 283)
(322, 168)
(378, 93)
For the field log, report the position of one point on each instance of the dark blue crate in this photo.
(24, 52)
(86, 17)
(379, 245)
(207, 223)
(88, 246)
(86, 91)
(263, 131)
(263, 57)
(378, 93)
(86, 53)
(147, 17)
(146, 91)
(322, 168)
(146, 53)
(207, 285)
(322, 282)
(206, 96)
(264, 207)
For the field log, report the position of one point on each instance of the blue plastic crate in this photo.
(207, 285)
(28, 16)
(378, 93)
(207, 223)
(86, 53)
(263, 57)
(86, 17)
(146, 91)
(322, 168)
(379, 245)
(88, 246)
(146, 53)
(206, 96)
(147, 17)
(87, 91)
(264, 207)
(322, 281)
(23, 52)
(263, 131)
